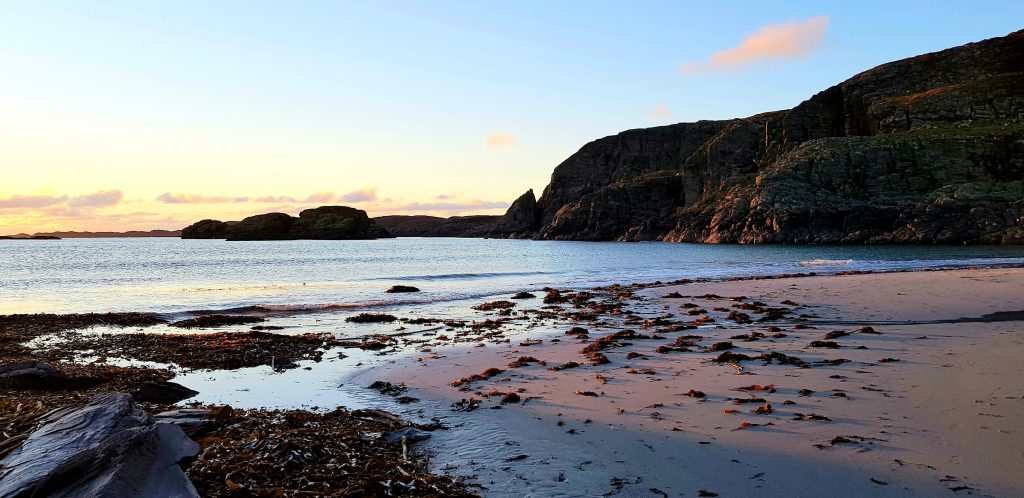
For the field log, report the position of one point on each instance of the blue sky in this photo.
(391, 103)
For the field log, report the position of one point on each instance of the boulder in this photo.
(163, 392)
(105, 448)
(194, 421)
(39, 376)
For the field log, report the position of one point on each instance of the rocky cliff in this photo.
(928, 149)
(322, 223)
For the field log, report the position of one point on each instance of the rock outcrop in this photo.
(928, 149)
(322, 223)
(434, 226)
(107, 447)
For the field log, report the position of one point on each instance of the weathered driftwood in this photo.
(105, 448)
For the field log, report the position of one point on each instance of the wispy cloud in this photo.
(498, 140)
(362, 195)
(180, 198)
(97, 199)
(31, 201)
(321, 197)
(790, 40)
(661, 111)
(459, 207)
(94, 200)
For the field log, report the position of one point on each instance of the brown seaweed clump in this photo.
(486, 374)
(266, 453)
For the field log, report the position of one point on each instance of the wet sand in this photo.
(945, 418)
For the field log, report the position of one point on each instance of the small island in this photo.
(322, 223)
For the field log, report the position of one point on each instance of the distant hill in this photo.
(96, 235)
(433, 226)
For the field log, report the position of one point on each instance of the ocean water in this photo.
(179, 277)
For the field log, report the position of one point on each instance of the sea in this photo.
(178, 277)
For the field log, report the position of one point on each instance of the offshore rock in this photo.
(322, 223)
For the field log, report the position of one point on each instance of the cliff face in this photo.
(923, 150)
(322, 223)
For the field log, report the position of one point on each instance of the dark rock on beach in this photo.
(401, 288)
(322, 223)
(39, 376)
(163, 392)
(105, 448)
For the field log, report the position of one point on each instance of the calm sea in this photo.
(178, 276)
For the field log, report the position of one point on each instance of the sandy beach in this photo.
(930, 404)
(887, 384)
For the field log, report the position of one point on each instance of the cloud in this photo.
(790, 40)
(275, 199)
(363, 195)
(320, 197)
(97, 199)
(450, 206)
(31, 201)
(180, 198)
(661, 111)
(499, 139)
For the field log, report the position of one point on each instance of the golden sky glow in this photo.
(121, 115)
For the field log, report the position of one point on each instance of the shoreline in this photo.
(488, 443)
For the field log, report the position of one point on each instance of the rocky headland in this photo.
(322, 223)
(928, 149)
(435, 226)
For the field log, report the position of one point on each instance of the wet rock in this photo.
(283, 363)
(388, 388)
(824, 344)
(372, 318)
(106, 447)
(194, 421)
(523, 295)
(401, 288)
(39, 376)
(165, 393)
(411, 435)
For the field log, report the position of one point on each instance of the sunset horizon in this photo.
(163, 150)
(339, 248)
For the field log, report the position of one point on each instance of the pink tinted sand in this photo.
(945, 418)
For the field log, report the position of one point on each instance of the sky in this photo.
(118, 115)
